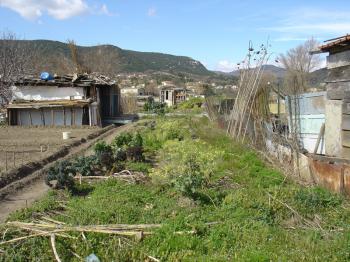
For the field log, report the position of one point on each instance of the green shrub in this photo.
(136, 141)
(63, 173)
(104, 153)
(85, 165)
(128, 146)
(194, 102)
(120, 154)
(155, 107)
(122, 140)
(135, 153)
(191, 179)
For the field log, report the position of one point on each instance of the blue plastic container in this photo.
(46, 76)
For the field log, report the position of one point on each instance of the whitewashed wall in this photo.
(47, 92)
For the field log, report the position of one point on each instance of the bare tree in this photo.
(77, 58)
(299, 63)
(15, 60)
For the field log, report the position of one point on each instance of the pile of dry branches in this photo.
(130, 177)
(52, 228)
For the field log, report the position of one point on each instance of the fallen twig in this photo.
(153, 259)
(306, 221)
(54, 248)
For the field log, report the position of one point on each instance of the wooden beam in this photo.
(320, 135)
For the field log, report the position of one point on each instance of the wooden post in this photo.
(6, 160)
(9, 117)
(52, 118)
(64, 116)
(19, 117)
(71, 116)
(320, 135)
(43, 116)
(30, 118)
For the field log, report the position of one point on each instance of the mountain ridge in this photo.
(55, 56)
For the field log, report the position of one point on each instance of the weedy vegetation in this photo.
(215, 200)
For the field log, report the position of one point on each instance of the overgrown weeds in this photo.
(199, 176)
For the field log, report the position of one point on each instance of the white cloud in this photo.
(58, 9)
(307, 21)
(152, 12)
(105, 11)
(225, 66)
(292, 38)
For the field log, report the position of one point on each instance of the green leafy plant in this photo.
(122, 140)
(104, 154)
(155, 107)
(195, 102)
(63, 173)
(120, 154)
(192, 178)
(136, 141)
(135, 153)
(85, 166)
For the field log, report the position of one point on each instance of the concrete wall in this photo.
(338, 59)
(47, 92)
(333, 127)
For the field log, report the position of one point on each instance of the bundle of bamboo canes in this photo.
(249, 83)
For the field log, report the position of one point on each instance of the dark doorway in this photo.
(109, 97)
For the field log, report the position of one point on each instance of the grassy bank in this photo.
(225, 202)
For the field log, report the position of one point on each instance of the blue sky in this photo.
(215, 32)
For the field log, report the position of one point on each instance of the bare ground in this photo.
(34, 189)
(21, 145)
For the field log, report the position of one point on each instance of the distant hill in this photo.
(274, 70)
(55, 57)
(316, 79)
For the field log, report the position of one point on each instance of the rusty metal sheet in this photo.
(327, 174)
(347, 180)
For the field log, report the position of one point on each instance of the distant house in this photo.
(69, 100)
(172, 95)
(133, 91)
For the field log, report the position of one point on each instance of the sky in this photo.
(214, 32)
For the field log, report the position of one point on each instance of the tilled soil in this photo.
(34, 189)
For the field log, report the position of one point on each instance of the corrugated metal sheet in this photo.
(311, 107)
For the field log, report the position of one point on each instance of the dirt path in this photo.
(35, 190)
